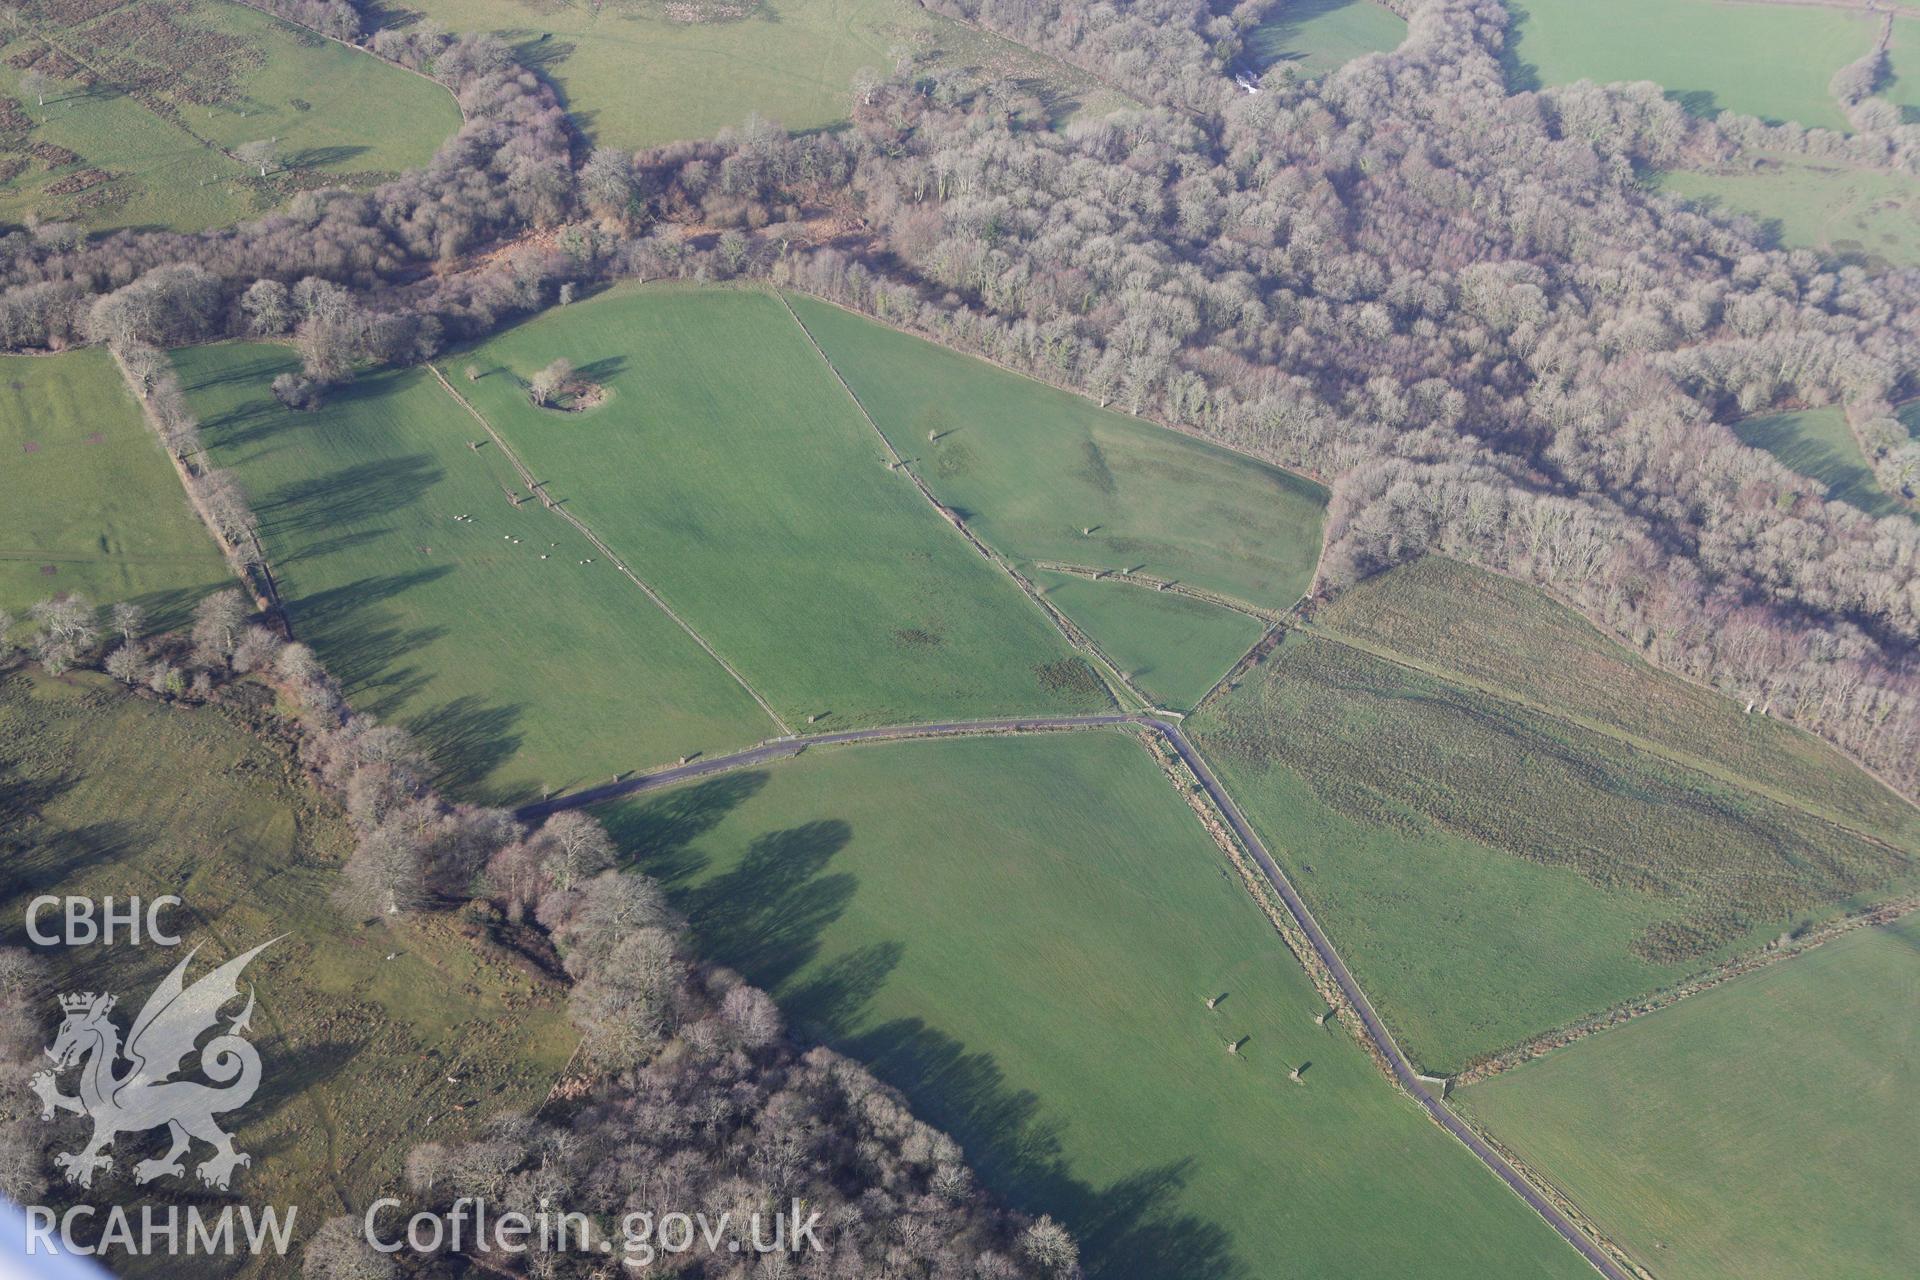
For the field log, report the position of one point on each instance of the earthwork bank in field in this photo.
(88, 500)
(1022, 933)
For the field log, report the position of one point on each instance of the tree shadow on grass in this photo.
(467, 740)
(52, 860)
(605, 370)
(22, 797)
(1521, 76)
(656, 836)
(767, 914)
(321, 157)
(360, 647)
(767, 917)
(297, 1068)
(256, 371)
(1272, 42)
(1130, 1228)
(364, 491)
(1846, 475)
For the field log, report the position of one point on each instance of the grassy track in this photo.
(1021, 933)
(104, 793)
(1512, 637)
(729, 468)
(633, 77)
(340, 116)
(1637, 868)
(1764, 1129)
(1172, 646)
(1771, 61)
(1858, 215)
(517, 672)
(1318, 36)
(87, 492)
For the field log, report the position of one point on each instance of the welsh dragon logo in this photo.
(143, 1096)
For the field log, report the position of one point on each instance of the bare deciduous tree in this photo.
(217, 623)
(339, 1251)
(130, 620)
(258, 154)
(127, 664)
(550, 381)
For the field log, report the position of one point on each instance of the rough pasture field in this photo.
(1022, 933)
(1857, 215)
(1762, 1129)
(102, 792)
(637, 73)
(1640, 868)
(1820, 444)
(1317, 36)
(519, 667)
(1173, 647)
(88, 500)
(1766, 60)
(151, 100)
(735, 475)
(1519, 642)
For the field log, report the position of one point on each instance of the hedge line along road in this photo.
(1403, 1070)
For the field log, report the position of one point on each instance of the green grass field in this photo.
(165, 90)
(517, 672)
(737, 477)
(634, 77)
(88, 500)
(1771, 61)
(1514, 639)
(1172, 646)
(1764, 1129)
(1318, 36)
(1678, 869)
(105, 793)
(1860, 216)
(1902, 83)
(1031, 467)
(1021, 934)
(1820, 444)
